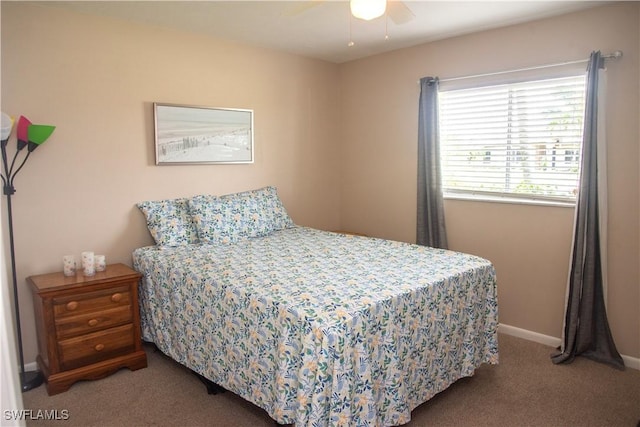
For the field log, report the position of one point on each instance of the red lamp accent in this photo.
(22, 132)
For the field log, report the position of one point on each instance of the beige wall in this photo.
(529, 245)
(339, 141)
(96, 80)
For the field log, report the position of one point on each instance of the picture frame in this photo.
(186, 134)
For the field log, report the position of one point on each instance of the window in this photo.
(519, 140)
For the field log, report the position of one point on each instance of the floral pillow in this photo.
(238, 216)
(169, 222)
(272, 208)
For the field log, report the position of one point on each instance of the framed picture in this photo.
(202, 135)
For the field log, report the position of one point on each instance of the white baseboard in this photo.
(529, 335)
(629, 362)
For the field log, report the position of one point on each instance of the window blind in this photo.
(519, 140)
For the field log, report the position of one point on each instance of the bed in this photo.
(316, 328)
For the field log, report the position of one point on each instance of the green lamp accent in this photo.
(37, 134)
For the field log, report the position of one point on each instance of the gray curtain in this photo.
(431, 229)
(586, 329)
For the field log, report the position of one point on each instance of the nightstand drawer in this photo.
(91, 301)
(95, 347)
(69, 326)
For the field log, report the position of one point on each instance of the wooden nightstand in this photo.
(88, 327)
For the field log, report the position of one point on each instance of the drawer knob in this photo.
(93, 322)
(116, 297)
(99, 347)
(72, 305)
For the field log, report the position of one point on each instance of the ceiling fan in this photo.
(395, 10)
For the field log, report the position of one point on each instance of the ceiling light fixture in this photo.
(368, 9)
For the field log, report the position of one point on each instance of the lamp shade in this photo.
(368, 9)
(23, 132)
(37, 134)
(6, 126)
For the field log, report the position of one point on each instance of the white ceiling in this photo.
(321, 28)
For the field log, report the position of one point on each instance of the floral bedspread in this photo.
(319, 328)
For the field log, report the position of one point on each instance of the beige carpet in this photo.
(526, 389)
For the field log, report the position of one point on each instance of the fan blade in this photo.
(295, 8)
(399, 12)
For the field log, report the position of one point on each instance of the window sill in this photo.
(509, 200)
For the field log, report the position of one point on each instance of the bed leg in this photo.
(212, 388)
(153, 346)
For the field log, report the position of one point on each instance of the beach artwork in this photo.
(187, 134)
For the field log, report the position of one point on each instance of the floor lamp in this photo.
(29, 136)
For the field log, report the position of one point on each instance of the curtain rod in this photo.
(615, 55)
